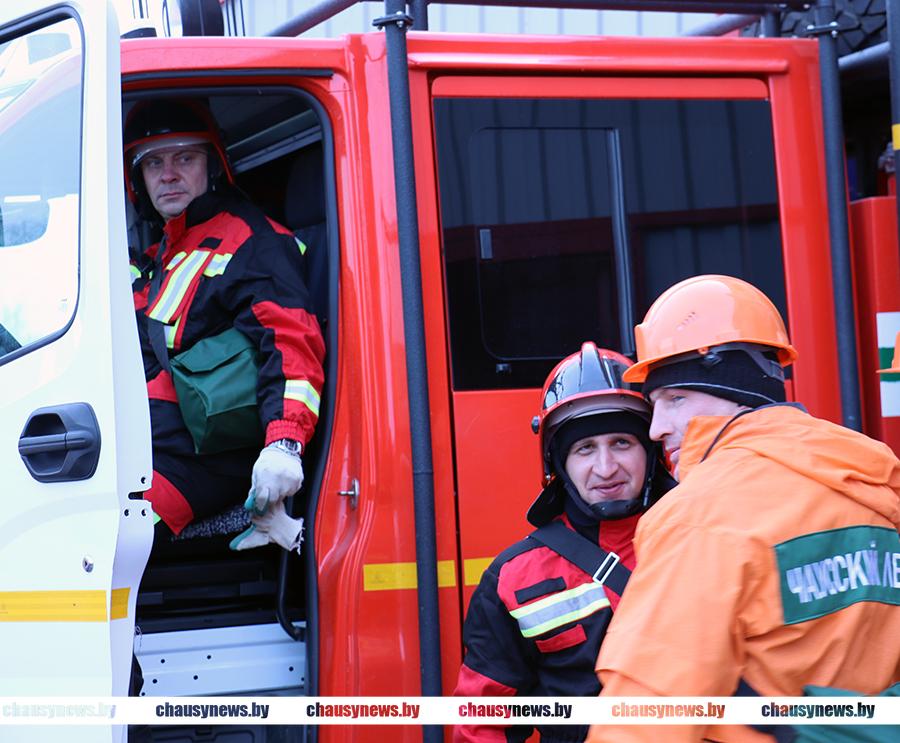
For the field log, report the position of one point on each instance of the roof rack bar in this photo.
(722, 25)
(311, 17)
(678, 6)
(870, 57)
(327, 9)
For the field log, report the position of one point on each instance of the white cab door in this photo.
(74, 419)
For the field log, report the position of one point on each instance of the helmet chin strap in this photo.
(616, 509)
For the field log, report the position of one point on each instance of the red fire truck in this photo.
(474, 208)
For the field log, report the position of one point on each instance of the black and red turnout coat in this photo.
(534, 628)
(225, 264)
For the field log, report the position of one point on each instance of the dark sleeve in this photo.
(271, 305)
(496, 662)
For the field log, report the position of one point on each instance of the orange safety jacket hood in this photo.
(836, 457)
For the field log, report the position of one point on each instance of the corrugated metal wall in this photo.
(260, 16)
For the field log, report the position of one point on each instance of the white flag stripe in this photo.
(888, 324)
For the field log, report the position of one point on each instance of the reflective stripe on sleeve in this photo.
(560, 608)
(302, 391)
(217, 264)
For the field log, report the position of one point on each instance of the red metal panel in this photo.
(800, 170)
(876, 266)
(580, 87)
(436, 339)
(498, 468)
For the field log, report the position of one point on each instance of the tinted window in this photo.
(563, 219)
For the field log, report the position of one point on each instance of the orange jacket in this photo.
(774, 561)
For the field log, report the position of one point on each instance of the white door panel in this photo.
(73, 545)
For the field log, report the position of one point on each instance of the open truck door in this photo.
(75, 444)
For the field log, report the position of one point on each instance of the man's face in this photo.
(607, 467)
(673, 409)
(174, 177)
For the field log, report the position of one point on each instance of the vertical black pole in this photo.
(395, 24)
(419, 10)
(893, 28)
(838, 225)
(770, 24)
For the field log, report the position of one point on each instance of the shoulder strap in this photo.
(604, 567)
(155, 329)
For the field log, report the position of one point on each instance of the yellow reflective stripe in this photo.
(302, 391)
(176, 259)
(390, 576)
(170, 331)
(572, 616)
(473, 568)
(118, 603)
(560, 608)
(301, 245)
(544, 603)
(217, 264)
(53, 606)
(176, 286)
(135, 272)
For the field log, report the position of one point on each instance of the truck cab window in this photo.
(531, 191)
(40, 132)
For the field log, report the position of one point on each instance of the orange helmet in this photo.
(894, 368)
(706, 312)
(586, 383)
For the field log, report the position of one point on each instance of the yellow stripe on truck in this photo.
(473, 568)
(63, 606)
(391, 576)
(53, 606)
(118, 603)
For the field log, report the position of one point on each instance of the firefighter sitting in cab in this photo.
(536, 621)
(221, 292)
(771, 568)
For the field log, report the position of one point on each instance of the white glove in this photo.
(277, 474)
(273, 526)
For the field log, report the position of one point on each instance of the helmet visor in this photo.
(142, 149)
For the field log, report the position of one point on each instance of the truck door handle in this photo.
(61, 443)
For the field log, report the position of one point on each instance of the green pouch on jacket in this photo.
(845, 732)
(216, 383)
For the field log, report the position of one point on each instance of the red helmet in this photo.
(158, 124)
(585, 383)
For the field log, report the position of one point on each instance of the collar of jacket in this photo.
(206, 206)
(705, 433)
